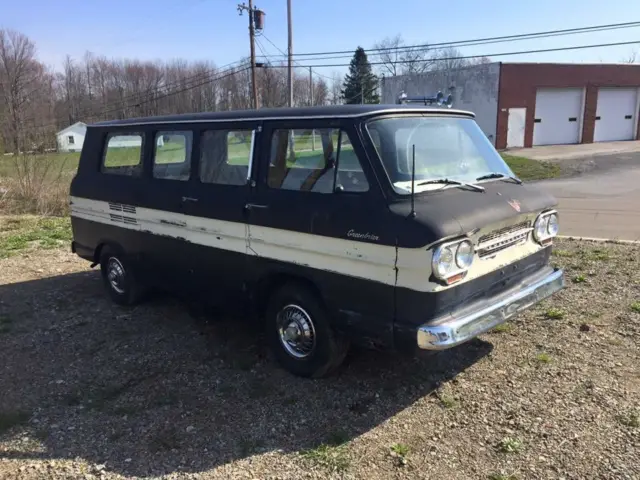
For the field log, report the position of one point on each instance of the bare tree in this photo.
(399, 59)
(19, 75)
(633, 57)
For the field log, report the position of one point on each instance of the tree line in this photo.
(38, 101)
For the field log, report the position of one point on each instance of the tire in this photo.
(320, 350)
(119, 278)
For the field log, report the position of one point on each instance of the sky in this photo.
(213, 30)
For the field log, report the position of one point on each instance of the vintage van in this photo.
(390, 226)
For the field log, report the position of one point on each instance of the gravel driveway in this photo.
(92, 390)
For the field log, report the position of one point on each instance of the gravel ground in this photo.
(92, 390)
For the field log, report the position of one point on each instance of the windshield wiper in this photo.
(498, 175)
(449, 181)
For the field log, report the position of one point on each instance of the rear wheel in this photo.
(300, 334)
(119, 278)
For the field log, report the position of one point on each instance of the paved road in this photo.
(604, 203)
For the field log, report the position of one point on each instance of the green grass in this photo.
(510, 445)
(502, 476)
(502, 328)
(67, 163)
(562, 253)
(554, 314)
(18, 234)
(543, 357)
(332, 457)
(630, 419)
(528, 169)
(579, 279)
(635, 307)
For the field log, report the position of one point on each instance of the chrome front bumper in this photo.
(462, 325)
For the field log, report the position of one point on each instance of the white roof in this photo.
(76, 125)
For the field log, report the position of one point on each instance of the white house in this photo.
(71, 138)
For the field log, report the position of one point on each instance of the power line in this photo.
(468, 57)
(276, 47)
(488, 40)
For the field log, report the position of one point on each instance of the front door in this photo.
(317, 213)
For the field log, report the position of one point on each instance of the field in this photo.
(93, 390)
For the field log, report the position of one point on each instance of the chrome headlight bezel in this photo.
(546, 226)
(448, 260)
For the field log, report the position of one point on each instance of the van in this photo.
(389, 226)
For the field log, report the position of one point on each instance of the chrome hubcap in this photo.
(116, 275)
(297, 333)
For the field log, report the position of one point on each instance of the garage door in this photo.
(616, 114)
(558, 116)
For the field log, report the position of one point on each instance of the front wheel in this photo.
(300, 334)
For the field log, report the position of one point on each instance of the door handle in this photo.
(250, 206)
(189, 199)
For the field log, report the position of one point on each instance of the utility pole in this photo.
(290, 51)
(313, 132)
(256, 21)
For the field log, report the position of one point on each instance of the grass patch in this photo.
(10, 419)
(562, 253)
(635, 307)
(579, 279)
(21, 233)
(543, 357)
(527, 169)
(554, 314)
(331, 457)
(400, 449)
(597, 254)
(630, 419)
(510, 445)
(447, 401)
(502, 476)
(502, 328)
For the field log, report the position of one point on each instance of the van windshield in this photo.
(452, 148)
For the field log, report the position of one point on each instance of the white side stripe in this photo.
(344, 256)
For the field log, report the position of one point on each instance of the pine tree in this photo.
(360, 84)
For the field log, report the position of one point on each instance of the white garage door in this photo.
(615, 114)
(558, 116)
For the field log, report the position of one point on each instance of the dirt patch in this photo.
(93, 390)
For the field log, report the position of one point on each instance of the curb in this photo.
(602, 240)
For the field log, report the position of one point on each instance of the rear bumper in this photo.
(462, 325)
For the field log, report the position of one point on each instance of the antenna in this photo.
(413, 181)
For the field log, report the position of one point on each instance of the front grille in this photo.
(503, 238)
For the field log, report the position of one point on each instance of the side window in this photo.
(123, 154)
(306, 160)
(172, 155)
(224, 156)
(350, 174)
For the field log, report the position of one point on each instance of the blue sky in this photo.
(213, 30)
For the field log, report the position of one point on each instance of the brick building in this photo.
(526, 104)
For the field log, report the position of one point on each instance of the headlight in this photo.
(464, 254)
(452, 260)
(546, 226)
(442, 261)
(552, 225)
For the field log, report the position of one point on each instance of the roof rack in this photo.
(438, 99)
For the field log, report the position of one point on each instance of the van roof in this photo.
(328, 111)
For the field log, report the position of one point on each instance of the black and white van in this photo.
(393, 226)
